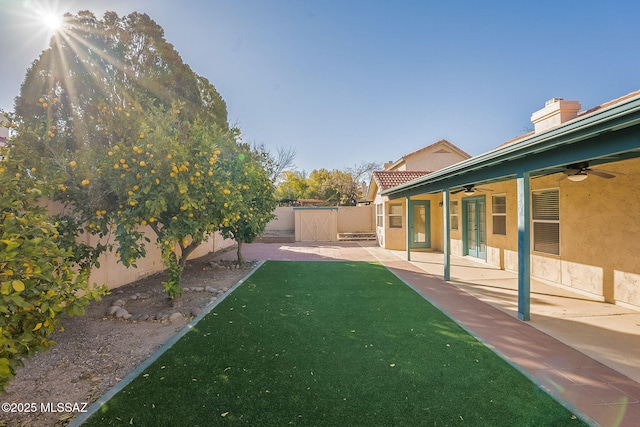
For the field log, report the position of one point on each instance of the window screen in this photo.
(546, 221)
(499, 214)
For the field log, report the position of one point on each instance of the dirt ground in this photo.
(97, 350)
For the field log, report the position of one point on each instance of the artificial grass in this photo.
(329, 344)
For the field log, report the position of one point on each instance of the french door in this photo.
(419, 224)
(475, 227)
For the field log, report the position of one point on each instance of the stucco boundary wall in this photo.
(114, 274)
(351, 219)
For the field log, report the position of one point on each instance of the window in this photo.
(453, 208)
(395, 216)
(499, 214)
(379, 215)
(546, 221)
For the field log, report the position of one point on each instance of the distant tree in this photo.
(293, 185)
(334, 187)
(362, 172)
(275, 163)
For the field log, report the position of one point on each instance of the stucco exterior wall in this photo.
(395, 238)
(599, 234)
(432, 159)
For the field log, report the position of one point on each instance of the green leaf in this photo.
(5, 288)
(11, 244)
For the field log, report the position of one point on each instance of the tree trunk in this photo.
(186, 251)
(240, 259)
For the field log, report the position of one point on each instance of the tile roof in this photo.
(583, 113)
(389, 179)
(610, 103)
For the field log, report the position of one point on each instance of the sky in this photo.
(344, 82)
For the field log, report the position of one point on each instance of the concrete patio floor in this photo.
(581, 350)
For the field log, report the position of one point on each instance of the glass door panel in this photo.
(419, 224)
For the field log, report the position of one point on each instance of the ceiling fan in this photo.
(580, 171)
(470, 189)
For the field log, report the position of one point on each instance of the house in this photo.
(390, 221)
(560, 203)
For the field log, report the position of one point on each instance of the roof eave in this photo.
(581, 127)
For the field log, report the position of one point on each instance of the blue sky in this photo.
(346, 81)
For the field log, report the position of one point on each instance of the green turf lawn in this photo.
(329, 344)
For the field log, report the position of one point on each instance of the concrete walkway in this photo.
(582, 351)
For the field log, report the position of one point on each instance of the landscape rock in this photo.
(196, 311)
(121, 313)
(112, 310)
(175, 317)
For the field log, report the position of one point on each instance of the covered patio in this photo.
(604, 135)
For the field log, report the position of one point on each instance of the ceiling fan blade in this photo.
(457, 191)
(571, 171)
(600, 174)
(482, 189)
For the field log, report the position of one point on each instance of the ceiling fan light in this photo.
(469, 193)
(580, 176)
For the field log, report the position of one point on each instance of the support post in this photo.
(524, 246)
(447, 234)
(407, 216)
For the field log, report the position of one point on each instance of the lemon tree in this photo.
(249, 175)
(38, 278)
(170, 178)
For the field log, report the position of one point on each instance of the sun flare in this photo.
(52, 21)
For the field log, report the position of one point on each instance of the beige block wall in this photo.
(356, 219)
(284, 220)
(114, 274)
(351, 219)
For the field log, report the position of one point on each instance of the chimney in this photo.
(386, 165)
(555, 112)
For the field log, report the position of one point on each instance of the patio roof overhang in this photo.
(604, 136)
